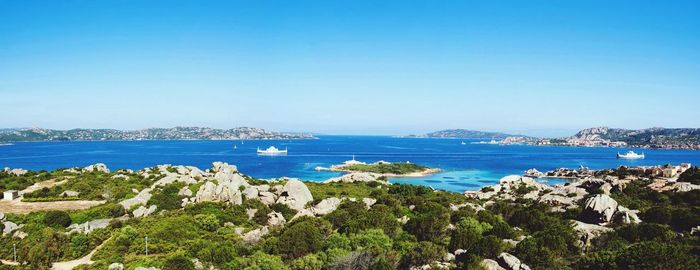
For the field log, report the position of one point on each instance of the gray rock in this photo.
(510, 262)
(326, 206)
(491, 265)
(89, 226)
(355, 177)
(185, 191)
(141, 198)
(599, 209)
(275, 219)
(144, 212)
(98, 167)
(295, 195)
(116, 266)
(254, 236)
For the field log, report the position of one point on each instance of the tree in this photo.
(424, 253)
(305, 235)
(430, 222)
(373, 240)
(57, 218)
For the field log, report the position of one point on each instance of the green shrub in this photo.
(207, 222)
(178, 262)
(57, 218)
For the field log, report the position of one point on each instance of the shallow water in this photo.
(465, 167)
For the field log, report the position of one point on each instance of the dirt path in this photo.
(19, 207)
(68, 265)
(6, 262)
(44, 184)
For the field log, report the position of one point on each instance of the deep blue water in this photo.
(466, 167)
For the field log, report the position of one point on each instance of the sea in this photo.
(467, 166)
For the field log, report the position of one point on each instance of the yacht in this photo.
(463, 143)
(272, 151)
(630, 155)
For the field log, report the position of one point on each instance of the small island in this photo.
(384, 168)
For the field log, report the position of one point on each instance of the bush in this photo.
(178, 262)
(207, 222)
(691, 175)
(308, 262)
(303, 236)
(79, 245)
(57, 218)
(424, 253)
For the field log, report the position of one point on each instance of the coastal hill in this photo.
(657, 137)
(176, 133)
(463, 134)
(652, 137)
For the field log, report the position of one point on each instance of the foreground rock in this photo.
(295, 195)
(603, 209)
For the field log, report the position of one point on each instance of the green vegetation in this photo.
(386, 168)
(407, 226)
(691, 175)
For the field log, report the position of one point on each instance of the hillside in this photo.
(651, 137)
(463, 134)
(180, 217)
(176, 133)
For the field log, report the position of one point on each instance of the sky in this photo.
(542, 68)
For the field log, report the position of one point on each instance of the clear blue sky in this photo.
(350, 67)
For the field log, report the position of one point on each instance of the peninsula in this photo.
(176, 133)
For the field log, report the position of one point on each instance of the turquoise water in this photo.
(465, 167)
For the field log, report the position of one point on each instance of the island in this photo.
(176, 133)
(382, 168)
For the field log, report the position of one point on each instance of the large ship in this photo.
(630, 155)
(272, 151)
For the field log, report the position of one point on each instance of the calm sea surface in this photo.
(466, 167)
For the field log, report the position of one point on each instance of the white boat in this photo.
(463, 143)
(272, 151)
(630, 155)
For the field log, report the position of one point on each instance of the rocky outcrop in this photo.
(141, 198)
(355, 177)
(116, 266)
(599, 209)
(326, 206)
(98, 167)
(508, 188)
(142, 211)
(275, 219)
(70, 193)
(89, 226)
(16, 172)
(185, 191)
(223, 192)
(587, 232)
(510, 262)
(254, 236)
(603, 209)
(491, 265)
(533, 173)
(295, 195)
(9, 227)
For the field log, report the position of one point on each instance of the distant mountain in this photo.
(651, 137)
(176, 133)
(464, 134)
